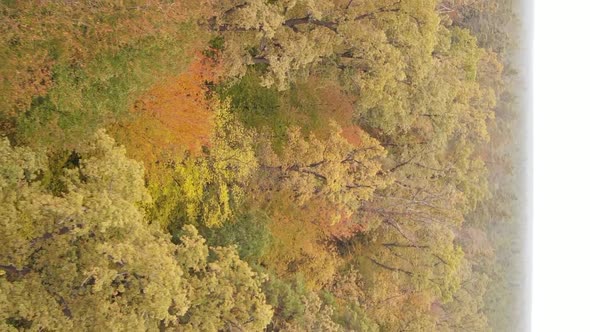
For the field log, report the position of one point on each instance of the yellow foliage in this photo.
(88, 260)
(205, 189)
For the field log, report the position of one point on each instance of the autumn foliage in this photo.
(300, 165)
(44, 44)
(174, 117)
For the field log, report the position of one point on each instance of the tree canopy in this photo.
(293, 165)
(88, 258)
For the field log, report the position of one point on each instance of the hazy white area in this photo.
(561, 131)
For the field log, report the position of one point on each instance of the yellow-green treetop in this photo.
(405, 62)
(425, 89)
(334, 169)
(205, 189)
(86, 258)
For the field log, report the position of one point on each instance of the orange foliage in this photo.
(346, 226)
(335, 104)
(301, 244)
(181, 106)
(174, 117)
(77, 33)
(304, 237)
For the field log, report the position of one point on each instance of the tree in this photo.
(66, 71)
(225, 293)
(86, 258)
(423, 89)
(334, 169)
(205, 190)
(300, 241)
(427, 262)
(172, 118)
(317, 316)
(392, 54)
(465, 311)
(249, 232)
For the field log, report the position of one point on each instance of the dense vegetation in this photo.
(298, 165)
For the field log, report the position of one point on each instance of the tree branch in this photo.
(399, 245)
(47, 236)
(13, 273)
(318, 175)
(378, 11)
(260, 60)
(390, 268)
(293, 22)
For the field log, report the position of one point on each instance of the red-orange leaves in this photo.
(174, 117)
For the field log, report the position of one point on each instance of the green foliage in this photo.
(68, 70)
(257, 107)
(317, 316)
(226, 293)
(355, 318)
(216, 44)
(249, 232)
(286, 298)
(298, 309)
(272, 112)
(85, 98)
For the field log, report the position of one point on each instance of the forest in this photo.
(260, 165)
